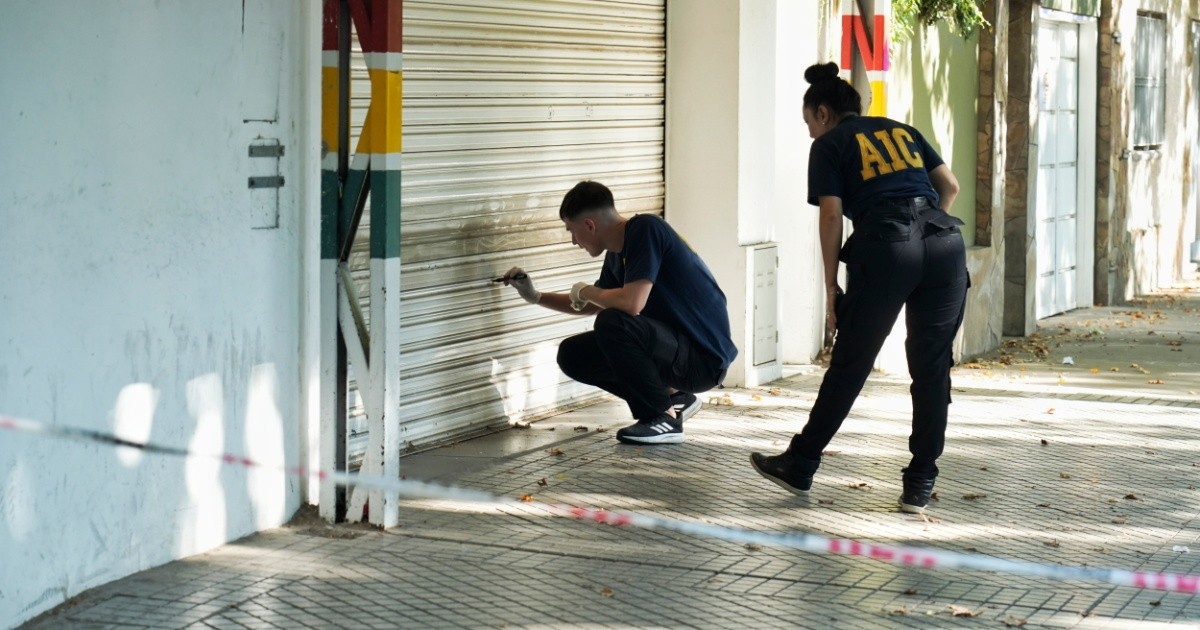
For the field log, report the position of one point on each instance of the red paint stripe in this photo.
(880, 553)
(329, 26)
(380, 26)
(1139, 579)
(1187, 583)
(7, 424)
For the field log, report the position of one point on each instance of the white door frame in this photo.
(1086, 146)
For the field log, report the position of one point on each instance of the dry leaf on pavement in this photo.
(606, 592)
(963, 611)
(1052, 543)
(971, 496)
(1156, 381)
(1013, 621)
(527, 498)
(542, 482)
(1064, 475)
(1044, 442)
(555, 451)
(752, 547)
(1131, 497)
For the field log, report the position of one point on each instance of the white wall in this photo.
(137, 298)
(801, 296)
(737, 155)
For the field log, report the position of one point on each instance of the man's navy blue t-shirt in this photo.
(685, 295)
(865, 160)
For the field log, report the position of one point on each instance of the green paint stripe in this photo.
(329, 214)
(385, 214)
(355, 180)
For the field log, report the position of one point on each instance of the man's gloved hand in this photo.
(519, 280)
(578, 301)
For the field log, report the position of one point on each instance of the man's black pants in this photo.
(637, 358)
(906, 254)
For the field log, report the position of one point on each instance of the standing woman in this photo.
(905, 251)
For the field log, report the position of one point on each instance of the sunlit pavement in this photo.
(1095, 461)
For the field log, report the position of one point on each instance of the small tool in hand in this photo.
(515, 276)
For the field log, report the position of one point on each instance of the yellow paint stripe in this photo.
(878, 99)
(329, 108)
(385, 117)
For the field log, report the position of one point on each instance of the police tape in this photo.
(813, 543)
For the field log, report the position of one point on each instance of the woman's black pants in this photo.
(905, 254)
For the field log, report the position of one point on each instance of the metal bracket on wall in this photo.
(269, 181)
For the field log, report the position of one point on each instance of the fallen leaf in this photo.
(601, 429)
(606, 592)
(581, 428)
(1064, 475)
(983, 468)
(1120, 521)
(898, 611)
(825, 501)
(1131, 497)
(1157, 602)
(753, 547)
(756, 397)
(542, 482)
(934, 496)
(774, 391)
(555, 451)
(862, 485)
(1045, 443)
(1052, 543)
(831, 453)
(1050, 410)
(520, 425)
(1114, 369)
(1094, 370)
(1100, 549)
(527, 498)
(1157, 381)
(971, 496)
(911, 591)
(1012, 621)
(963, 611)
(1043, 505)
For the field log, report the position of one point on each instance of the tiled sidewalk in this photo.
(1066, 464)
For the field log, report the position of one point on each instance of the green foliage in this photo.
(963, 17)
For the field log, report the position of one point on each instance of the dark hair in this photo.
(585, 197)
(830, 90)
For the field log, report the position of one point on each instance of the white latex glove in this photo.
(519, 280)
(577, 301)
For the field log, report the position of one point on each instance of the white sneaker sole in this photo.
(666, 438)
(911, 509)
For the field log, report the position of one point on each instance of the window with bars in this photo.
(1149, 82)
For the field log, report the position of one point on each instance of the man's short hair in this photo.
(585, 197)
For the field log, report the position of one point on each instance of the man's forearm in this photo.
(561, 302)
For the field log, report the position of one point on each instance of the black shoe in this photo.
(686, 405)
(662, 430)
(791, 471)
(918, 488)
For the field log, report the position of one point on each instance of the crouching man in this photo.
(661, 333)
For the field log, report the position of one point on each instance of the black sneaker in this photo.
(686, 405)
(662, 430)
(918, 488)
(791, 471)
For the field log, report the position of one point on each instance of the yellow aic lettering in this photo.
(899, 146)
(871, 158)
(906, 143)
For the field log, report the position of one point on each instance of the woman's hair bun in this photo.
(821, 72)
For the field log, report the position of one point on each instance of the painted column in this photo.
(334, 134)
(379, 25)
(869, 36)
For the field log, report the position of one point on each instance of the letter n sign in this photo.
(871, 43)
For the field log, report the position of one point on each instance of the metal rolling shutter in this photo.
(507, 103)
